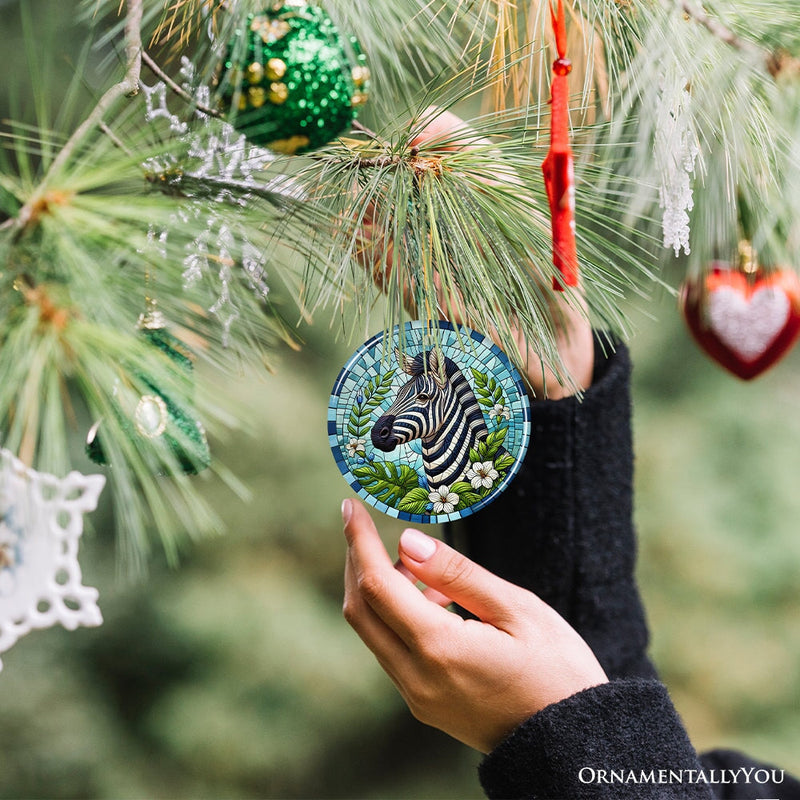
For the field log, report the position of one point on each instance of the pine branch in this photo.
(127, 87)
(716, 28)
(90, 232)
(448, 231)
(775, 63)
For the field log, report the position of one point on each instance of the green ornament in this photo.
(157, 419)
(290, 80)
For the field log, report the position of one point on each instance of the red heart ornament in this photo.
(745, 324)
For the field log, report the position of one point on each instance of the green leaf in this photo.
(387, 481)
(498, 394)
(480, 377)
(481, 389)
(467, 499)
(474, 456)
(459, 487)
(494, 440)
(379, 389)
(414, 502)
(504, 461)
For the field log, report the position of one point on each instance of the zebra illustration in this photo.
(438, 406)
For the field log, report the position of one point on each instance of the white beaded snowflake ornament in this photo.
(41, 521)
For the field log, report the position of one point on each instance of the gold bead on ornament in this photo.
(255, 72)
(278, 93)
(256, 96)
(276, 69)
(270, 30)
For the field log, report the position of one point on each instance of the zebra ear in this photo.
(406, 362)
(437, 371)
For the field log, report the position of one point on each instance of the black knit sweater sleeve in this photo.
(620, 740)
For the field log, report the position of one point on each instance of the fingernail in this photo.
(417, 545)
(347, 510)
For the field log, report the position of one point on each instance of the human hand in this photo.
(476, 680)
(444, 132)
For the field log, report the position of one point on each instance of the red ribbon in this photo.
(558, 169)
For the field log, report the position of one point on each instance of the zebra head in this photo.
(438, 406)
(420, 405)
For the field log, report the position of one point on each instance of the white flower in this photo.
(482, 474)
(499, 410)
(444, 501)
(356, 446)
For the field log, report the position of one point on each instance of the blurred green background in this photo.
(236, 675)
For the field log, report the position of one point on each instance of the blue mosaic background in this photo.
(371, 363)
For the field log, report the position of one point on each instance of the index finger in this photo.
(398, 603)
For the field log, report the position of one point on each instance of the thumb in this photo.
(474, 588)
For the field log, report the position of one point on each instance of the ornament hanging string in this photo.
(558, 169)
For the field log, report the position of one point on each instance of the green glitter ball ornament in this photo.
(290, 80)
(157, 420)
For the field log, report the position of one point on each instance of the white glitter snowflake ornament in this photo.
(41, 521)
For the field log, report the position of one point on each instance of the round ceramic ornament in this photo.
(429, 424)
